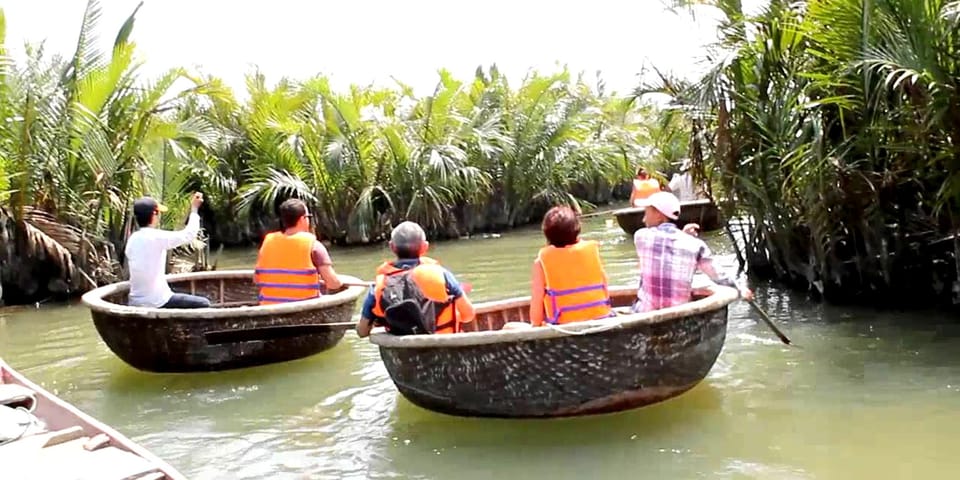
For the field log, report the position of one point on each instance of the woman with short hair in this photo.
(568, 282)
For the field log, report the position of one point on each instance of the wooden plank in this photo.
(152, 476)
(72, 447)
(108, 463)
(98, 441)
(10, 451)
(64, 435)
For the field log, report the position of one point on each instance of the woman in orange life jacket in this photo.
(643, 186)
(409, 243)
(568, 281)
(290, 260)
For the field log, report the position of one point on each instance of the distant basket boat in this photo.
(702, 212)
(582, 368)
(234, 333)
(64, 442)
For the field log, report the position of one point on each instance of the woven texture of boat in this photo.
(702, 212)
(581, 368)
(53, 439)
(235, 332)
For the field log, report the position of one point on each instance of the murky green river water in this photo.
(867, 394)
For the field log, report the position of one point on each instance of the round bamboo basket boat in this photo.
(592, 367)
(234, 332)
(702, 212)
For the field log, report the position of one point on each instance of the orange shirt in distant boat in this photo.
(568, 280)
(643, 186)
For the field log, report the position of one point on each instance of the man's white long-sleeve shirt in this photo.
(146, 254)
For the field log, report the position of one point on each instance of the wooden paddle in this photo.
(274, 332)
(766, 319)
(597, 214)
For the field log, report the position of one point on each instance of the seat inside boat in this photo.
(29, 450)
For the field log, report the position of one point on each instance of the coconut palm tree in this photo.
(87, 137)
(832, 123)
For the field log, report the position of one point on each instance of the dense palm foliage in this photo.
(470, 156)
(79, 136)
(83, 136)
(834, 125)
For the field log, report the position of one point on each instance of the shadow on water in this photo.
(476, 445)
(410, 418)
(250, 394)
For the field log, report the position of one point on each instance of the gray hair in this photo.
(408, 237)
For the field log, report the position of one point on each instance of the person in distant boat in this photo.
(291, 262)
(568, 282)
(643, 186)
(146, 254)
(414, 294)
(668, 257)
(681, 184)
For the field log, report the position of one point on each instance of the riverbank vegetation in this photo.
(834, 126)
(82, 136)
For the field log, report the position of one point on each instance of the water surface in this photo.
(867, 393)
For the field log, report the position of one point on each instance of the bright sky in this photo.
(363, 41)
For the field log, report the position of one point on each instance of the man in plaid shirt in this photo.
(670, 256)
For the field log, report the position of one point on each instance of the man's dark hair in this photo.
(144, 209)
(561, 226)
(290, 212)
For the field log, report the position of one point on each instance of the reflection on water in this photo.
(865, 393)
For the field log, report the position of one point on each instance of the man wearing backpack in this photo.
(414, 294)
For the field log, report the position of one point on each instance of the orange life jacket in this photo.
(574, 281)
(644, 188)
(285, 271)
(428, 275)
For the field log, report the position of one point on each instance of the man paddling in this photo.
(669, 257)
(414, 294)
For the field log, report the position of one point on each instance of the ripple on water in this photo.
(739, 468)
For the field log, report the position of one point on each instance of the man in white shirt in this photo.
(682, 184)
(146, 254)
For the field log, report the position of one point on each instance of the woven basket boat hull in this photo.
(173, 340)
(541, 372)
(702, 212)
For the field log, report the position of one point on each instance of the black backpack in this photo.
(406, 309)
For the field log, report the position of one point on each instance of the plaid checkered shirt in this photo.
(668, 259)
